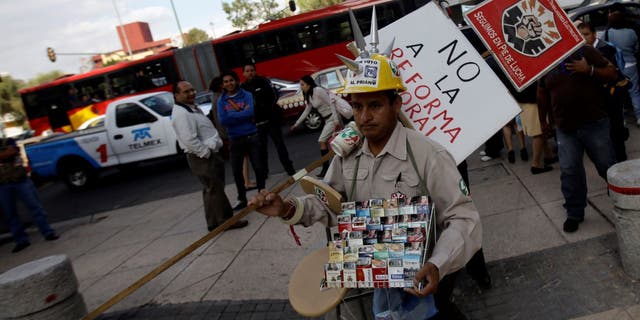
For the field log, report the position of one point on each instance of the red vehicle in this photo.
(302, 44)
(64, 104)
(287, 49)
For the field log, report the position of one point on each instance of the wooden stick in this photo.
(164, 266)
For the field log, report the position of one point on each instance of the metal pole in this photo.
(124, 33)
(184, 41)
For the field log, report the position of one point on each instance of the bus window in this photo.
(338, 29)
(311, 35)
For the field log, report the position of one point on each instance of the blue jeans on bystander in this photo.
(25, 191)
(594, 139)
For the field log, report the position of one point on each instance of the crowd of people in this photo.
(579, 104)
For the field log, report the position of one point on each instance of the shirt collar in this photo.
(396, 145)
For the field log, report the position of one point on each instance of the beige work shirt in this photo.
(391, 171)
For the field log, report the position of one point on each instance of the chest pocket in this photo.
(409, 183)
(349, 173)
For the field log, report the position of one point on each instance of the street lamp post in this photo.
(184, 41)
(124, 33)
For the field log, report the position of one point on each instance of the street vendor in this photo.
(392, 160)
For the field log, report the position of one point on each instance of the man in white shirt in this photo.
(201, 142)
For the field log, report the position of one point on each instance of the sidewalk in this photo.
(539, 272)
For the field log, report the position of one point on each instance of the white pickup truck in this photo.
(136, 128)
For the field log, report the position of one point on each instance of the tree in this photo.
(195, 36)
(9, 97)
(41, 78)
(308, 5)
(244, 14)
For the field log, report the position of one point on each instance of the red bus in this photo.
(287, 49)
(64, 104)
(292, 47)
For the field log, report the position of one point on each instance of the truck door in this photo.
(137, 134)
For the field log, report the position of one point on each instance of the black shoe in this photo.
(511, 156)
(524, 155)
(20, 246)
(571, 225)
(51, 237)
(536, 170)
(548, 161)
(291, 172)
(239, 224)
(240, 205)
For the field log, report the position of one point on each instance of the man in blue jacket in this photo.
(236, 113)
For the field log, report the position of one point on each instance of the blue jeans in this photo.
(594, 139)
(26, 191)
(634, 91)
(403, 305)
(239, 147)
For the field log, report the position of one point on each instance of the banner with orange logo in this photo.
(527, 37)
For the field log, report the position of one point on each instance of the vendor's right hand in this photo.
(268, 203)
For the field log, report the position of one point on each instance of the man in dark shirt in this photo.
(268, 117)
(15, 184)
(573, 93)
(616, 92)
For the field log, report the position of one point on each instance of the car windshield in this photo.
(160, 103)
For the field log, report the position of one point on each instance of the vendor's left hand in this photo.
(579, 66)
(430, 276)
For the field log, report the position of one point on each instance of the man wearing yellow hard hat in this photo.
(393, 161)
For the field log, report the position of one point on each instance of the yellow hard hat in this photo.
(375, 73)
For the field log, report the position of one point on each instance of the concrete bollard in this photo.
(46, 288)
(624, 190)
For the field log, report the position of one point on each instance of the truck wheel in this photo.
(78, 175)
(314, 121)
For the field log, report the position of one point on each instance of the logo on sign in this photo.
(139, 134)
(321, 195)
(529, 28)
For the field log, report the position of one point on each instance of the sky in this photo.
(88, 26)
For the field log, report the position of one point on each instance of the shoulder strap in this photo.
(423, 184)
(353, 180)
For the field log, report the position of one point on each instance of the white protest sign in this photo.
(453, 96)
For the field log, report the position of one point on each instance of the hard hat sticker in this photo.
(370, 72)
(369, 75)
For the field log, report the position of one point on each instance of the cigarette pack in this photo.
(349, 208)
(399, 234)
(344, 223)
(364, 274)
(376, 207)
(373, 223)
(390, 207)
(350, 254)
(396, 250)
(336, 252)
(407, 209)
(396, 273)
(349, 275)
(359, 223)
(381, 251)
(379, 271)
(334, 275)
(355, 239)
(362, 209)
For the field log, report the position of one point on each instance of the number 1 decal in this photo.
(102, 150)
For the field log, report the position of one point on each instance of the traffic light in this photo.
(292, 5)
(51, 54)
